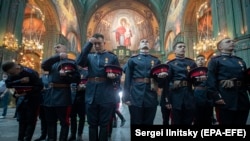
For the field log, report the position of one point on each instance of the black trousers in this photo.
(203, 115)
(229, 117)
(27, 113)
(99, 116)
(142, 115)
(43, 121)
(112, 122)
(52, 115)
(165, 115)
(78, 109)
(182, 117)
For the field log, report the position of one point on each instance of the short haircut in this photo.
(179, 42)
(8, 65)
(98, 35)
(62, 44)
(200, 55)
(58, 44)
(218, 44)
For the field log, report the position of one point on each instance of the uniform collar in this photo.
(226, 54)
(180, 57)
(144, 52)
(101, 52)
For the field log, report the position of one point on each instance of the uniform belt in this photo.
(57, 85)
(183, 83)
(97, 79)
(144, 80)
(236, 83)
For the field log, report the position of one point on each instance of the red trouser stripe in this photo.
(68, 111)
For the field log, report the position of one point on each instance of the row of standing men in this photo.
(184, 96)
(189, 89)
(63, 78)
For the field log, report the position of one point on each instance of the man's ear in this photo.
(219, 48)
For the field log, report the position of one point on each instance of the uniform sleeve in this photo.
(82, 59)
(116, 62)
(212, 80)
(47, 64)
(36, 82)
(166, 86)
(245, 78)
(128, 80)
(193, 65)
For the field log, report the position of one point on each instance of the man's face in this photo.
(99, 44)
(227, 45)
(60, 48)
(144, 44)
(14, 70)
(180, 49)
(200, 61)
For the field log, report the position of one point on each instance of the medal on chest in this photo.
(241, 65)
(188, 68)
(106, 60)
(152, 63)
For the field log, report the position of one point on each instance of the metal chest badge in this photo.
(152, 63)
(106, 60)
(188, 68)
(241, 64)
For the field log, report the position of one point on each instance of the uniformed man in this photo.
(204, 108)
(180, 98)
(63, 73)
(100, 92)
(78, 108)
(227, 85)
(27, 86)
(140, 91)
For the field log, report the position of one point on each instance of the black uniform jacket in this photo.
(226, 67)
(59, 96)
(100, 92)
(140, 93)
(181, 97)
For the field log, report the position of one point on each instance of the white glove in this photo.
(162, 75)
(111, 75)
(201, 78)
